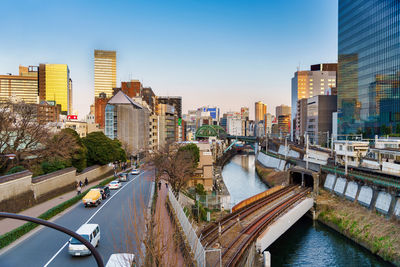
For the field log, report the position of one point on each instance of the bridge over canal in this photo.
(255, 222)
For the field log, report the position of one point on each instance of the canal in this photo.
(306, 243)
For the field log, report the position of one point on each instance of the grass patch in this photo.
(13, 235)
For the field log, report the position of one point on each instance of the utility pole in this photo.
(345, 158)
(327, 139)
(286, 148)
(306, 151)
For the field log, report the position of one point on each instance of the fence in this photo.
(194, 242)
(215, 202)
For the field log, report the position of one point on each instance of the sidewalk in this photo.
(165, 232)
(6, 225)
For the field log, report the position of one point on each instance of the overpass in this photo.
(258, 220)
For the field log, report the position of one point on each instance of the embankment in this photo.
(370, 229)
(270, 176)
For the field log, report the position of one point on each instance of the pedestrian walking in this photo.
(159, 185)
(79, 189)
(86, 181)
(80, 184)
(166, 185)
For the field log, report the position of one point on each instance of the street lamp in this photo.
(60, 228)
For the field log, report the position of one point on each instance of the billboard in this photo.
(72, 117)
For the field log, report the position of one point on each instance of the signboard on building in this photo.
(72, 117)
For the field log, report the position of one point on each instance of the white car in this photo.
(114, 185)
(121, 260)
(90, 232)
(135, 172)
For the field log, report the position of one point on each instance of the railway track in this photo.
(210, 234)
(232, 254)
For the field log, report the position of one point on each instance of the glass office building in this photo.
(368, 66)
(57, 84)
(105, 72)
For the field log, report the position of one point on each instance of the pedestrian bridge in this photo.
(260, 219)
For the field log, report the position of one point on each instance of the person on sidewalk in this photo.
(86, 181)
(159, 185)
(79, 190)
(166, 185)
(80, 184)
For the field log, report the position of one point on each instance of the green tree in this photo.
(200, 190)
(385, 130)
(15, 169)
(54, 165)
(102, 150)
(79, 155)
(398, 128)
(193, 150)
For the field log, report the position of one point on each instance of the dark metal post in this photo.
(95, 253)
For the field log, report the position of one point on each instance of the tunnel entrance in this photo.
(308, 180)
(303, 178)
(296, 178)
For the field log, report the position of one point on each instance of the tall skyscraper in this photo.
(105, 72)
(282, 110)
(305, 84)
(368, 66)
(54, 83)
(20, 87)
(260, 110)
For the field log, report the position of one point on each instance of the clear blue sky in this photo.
(224, 53)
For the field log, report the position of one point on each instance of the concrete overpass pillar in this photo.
(289, 176)
(392, 205)
(374, 197)
(358, 193)
(316, 183)
(345, 188)
(267, 259)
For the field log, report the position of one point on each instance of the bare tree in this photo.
(31, 142)
(145, 235)
(177, 165)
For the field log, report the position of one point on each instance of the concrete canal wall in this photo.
(368, 196)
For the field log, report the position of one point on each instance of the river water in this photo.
(306, 243)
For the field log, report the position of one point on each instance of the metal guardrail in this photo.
(194, 242)
(375, 179)
(378, 180)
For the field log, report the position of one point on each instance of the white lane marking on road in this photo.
(91, 217)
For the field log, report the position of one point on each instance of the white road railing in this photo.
(194, 242)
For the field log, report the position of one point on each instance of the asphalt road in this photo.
(121, 222)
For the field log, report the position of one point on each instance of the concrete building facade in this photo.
(305, 84)
(319, 118)
(128, 121)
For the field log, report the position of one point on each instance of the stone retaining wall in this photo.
(20, 191)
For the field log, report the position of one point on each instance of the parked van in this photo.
(89, 231)
(92, 198)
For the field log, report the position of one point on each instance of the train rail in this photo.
(211, 233)
(235, 250)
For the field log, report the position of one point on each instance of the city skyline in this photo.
(212, 52)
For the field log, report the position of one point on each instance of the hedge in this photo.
(13, 235)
